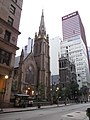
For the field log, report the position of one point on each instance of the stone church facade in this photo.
(32, 75)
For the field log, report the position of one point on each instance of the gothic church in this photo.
(32, 75)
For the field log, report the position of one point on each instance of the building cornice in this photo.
(9, 26)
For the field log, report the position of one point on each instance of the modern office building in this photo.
(54, 80)
(75, 47)
(72, 26)
(10, 12)
(54, 53)
(29, 47)
(89, 52)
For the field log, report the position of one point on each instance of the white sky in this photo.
(53, 11)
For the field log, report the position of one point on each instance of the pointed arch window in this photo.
(36, 48)
(30, 75)
(40, 46)
(44, 47)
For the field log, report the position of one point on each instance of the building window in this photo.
(4, 57)
(66, 47)
(40, 46)
(30, 75)
(15, 1)
(65, 64)
(60, 65)
(7, 35)
(73, 31)
(36, 48)
(63, 85)
(26, 48)
(12, 9)
(10, 20)
(78, 80)
(66, 51)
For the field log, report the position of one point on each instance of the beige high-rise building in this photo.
(10, 12)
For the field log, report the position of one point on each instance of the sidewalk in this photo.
(9, 110)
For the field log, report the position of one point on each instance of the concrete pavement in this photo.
(78, 115)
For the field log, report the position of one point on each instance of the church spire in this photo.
(42, 30)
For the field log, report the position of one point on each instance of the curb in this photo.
(31, 109)
(2, 112)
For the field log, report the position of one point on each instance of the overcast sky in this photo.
(53, 11)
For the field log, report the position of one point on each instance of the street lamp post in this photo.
(57, 94)
(51, 96)
(4, 91)
(37, 97)
(52, 89)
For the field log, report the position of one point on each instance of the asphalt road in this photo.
(71, 112)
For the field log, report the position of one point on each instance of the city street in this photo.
(69, 112)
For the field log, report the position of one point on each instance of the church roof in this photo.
(17, 59)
